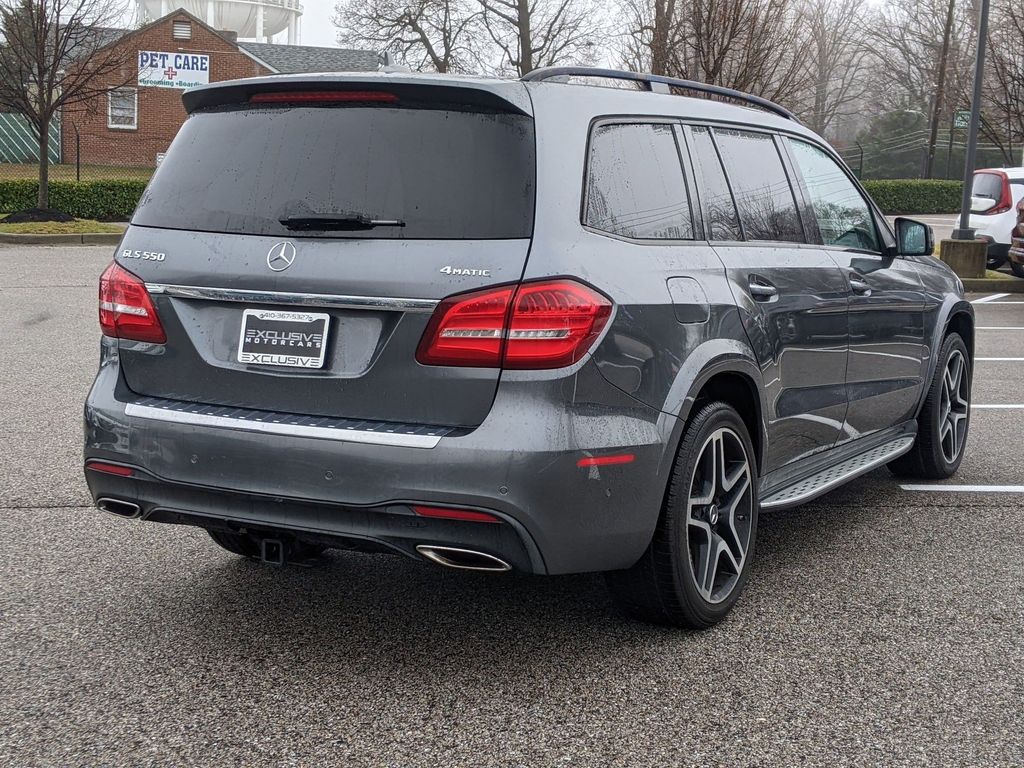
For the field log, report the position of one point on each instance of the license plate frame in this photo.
(283, 339)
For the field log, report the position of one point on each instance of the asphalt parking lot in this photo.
(881, 625)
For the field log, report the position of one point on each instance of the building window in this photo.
(122, 108)
(181, 30)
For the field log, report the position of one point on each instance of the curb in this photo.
(105, 238)
(988, 285)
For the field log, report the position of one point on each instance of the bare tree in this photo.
(539, 33)
(837, 59)
(653, 36)
(1004, 86)
(750, 45)
(922, 51)
(54, 53)
(438, 35)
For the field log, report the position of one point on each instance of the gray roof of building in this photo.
(289, 59)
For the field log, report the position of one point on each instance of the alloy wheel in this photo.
(954, 407)
(719, 514)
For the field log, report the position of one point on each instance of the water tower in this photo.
(250, 19)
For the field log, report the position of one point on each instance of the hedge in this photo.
(109, 200)
(115, 200)
(915, 196)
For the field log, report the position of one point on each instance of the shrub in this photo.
(915, 196)
(111, 200)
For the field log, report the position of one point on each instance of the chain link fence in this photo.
(69, 158)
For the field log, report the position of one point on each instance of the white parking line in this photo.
(990, 303)
(1006, 406)
(1000, 328)
(999, 359)
(966, 488)
(987, 299)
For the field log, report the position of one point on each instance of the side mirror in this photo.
(914, 238)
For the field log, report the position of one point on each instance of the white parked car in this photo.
(994, 197)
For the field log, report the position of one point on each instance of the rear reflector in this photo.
(306, 97)
(443, 513)
(126, 309)
(109, 469)
(546, 324)
(604, 461)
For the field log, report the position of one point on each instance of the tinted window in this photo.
(723, 222)
(763, 195)
(843, 215)
(987, 185)
(635, 185)
(447, 174)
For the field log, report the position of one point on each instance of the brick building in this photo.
(138, 117)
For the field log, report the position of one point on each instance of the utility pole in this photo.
(964, 231)
(940, 88)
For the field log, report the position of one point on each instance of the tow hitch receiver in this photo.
(272, 551)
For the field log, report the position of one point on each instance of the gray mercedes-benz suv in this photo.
(532, 326)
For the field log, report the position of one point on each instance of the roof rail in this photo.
(657, 84)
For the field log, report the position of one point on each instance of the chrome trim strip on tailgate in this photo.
(293, 299)
(393, 435)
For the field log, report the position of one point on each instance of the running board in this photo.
(832, 477)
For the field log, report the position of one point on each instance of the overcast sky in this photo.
(317, 28)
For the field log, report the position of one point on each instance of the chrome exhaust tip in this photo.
(119, 508)
(463, 559)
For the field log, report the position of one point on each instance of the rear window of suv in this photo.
(444, 173)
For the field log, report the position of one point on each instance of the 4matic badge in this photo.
(465, 271)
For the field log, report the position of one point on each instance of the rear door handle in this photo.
(761, 289)
(860, 287)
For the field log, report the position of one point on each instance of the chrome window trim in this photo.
(289, 430)
(293, 299)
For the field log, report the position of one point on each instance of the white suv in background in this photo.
(994, 197)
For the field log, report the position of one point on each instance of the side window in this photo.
(758, 178)
(635, 185)
(723, 223)
(844, 217)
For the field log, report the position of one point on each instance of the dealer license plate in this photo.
(272, 337)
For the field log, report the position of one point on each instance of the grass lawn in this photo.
(76, 227)
(10, 171)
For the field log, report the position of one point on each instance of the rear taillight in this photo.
(547, 324)
(126, 310)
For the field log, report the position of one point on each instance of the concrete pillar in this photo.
(259, 24)
(965, 257)
(292, 31)
(211, 19)
(165, 7)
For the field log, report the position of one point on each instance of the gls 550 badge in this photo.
(127, 253)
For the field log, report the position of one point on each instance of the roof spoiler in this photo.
(656, 84)
(412, 89)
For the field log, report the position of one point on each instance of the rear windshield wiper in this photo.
(346, 222)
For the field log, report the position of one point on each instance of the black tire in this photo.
(662, 587)
(247, 545)
(1017, 269)
(995, 262)
(929, 458)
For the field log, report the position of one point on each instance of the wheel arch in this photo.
(732, 378)
(961, 320)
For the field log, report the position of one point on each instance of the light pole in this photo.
(964, 231)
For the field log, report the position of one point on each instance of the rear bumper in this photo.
(520, 464)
